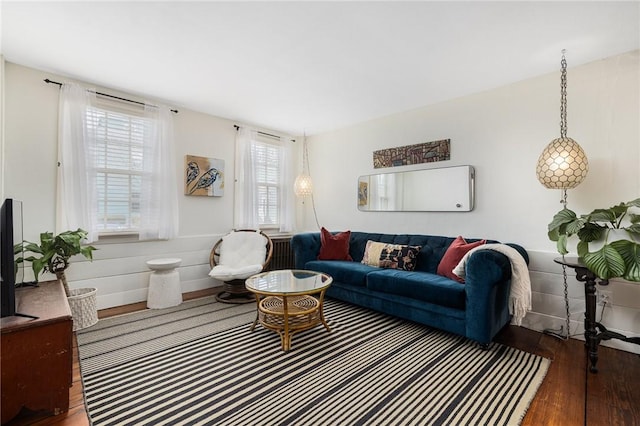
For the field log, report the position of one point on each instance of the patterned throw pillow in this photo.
(393, 256)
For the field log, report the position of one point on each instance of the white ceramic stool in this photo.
(164, 283)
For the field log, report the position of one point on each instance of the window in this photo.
(267, 176)
(119, 148)
(116, 170)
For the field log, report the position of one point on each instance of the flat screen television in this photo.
(11, 273)
(8, 273)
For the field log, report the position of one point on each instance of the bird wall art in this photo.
(203, 176)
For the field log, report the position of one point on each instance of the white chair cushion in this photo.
(227, 273)
(240, 249)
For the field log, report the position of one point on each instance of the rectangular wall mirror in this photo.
(446, 189)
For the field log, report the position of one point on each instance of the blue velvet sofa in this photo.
(477, 309)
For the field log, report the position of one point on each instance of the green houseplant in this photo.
(54, 253)
(614, 236)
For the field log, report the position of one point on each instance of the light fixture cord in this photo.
(566, 299)
(305, 156)
(564, 276)
(305, 162)
(563, 200)
(563, 96)
(563, 134)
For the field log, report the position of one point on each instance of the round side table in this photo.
(164, 283)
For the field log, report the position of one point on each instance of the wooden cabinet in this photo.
(37, 353)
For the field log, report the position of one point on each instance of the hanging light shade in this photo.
(303, 185)
(563, 163)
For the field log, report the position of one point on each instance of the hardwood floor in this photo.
(569, 395)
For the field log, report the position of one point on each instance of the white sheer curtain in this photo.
(76, 195)
(77, 192)
(159, 195)
(246, 189)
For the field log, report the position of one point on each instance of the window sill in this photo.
(118, 237)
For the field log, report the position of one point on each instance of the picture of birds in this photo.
(204, 176)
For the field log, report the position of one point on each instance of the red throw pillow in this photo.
(456, 251)
(334, 247)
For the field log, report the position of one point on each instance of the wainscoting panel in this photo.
(120, 273)
(623, 316)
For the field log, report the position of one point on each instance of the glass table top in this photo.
(288, 282)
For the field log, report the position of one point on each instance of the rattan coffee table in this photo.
(286, 303)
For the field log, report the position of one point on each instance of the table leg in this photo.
(257, 312)
(286, 338)
(320, 307)
(590, 331)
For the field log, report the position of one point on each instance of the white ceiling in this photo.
(312, 66)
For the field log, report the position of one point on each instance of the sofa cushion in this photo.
(424, 286)
(334, 247)
(394, 256)
(343, 271)
(456, 251)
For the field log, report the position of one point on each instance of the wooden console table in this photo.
(36, 354)
(594, 332)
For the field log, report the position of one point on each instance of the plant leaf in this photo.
(604, 215)
(32, 247)
(583, 248)
(633, 203)
(606, 263)
(563, 217)
(562, 244)
(575, 226)
(591, 232)
(634, 229)
(630, 253)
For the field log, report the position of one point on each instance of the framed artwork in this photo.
(363, 193)
(426, 152)
(203, 176)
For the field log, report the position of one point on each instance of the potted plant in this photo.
(609, 239)
(54, 254)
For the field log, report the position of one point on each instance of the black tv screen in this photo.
(7, 286)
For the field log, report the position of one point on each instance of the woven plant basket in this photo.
(83, 307)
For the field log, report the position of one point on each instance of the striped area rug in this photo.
(199, 364)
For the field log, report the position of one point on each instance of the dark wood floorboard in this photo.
(568, 396)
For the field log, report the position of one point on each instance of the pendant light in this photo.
(303, 186)
(563, 164)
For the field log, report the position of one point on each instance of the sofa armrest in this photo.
(487, 286)
(306, 248)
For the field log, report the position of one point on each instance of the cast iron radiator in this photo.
(282, 254)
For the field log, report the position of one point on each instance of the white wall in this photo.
(501, 133)
(118, 270)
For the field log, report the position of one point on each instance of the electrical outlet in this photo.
(604, 296)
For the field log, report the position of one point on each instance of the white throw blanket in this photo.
(520, 296)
